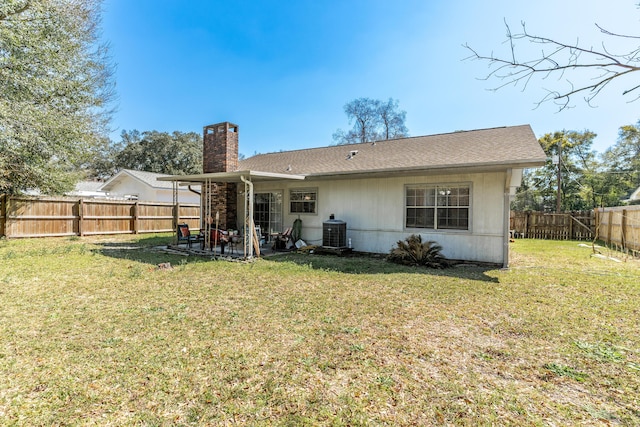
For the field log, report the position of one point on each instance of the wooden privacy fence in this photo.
(620, 227)
(563, 226)
(47, 216)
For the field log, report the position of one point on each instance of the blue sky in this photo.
(283, 70)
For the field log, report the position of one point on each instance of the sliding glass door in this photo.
(267, 212)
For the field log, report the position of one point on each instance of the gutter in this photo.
(438, 169)
(506, 218)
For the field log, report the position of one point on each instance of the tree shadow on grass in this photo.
(359, 263)
(148, 250)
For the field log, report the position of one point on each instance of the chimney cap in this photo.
(226, 125)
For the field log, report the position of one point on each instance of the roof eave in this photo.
(235, 176)
(432, 170)
(108, 185)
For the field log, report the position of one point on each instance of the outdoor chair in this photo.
(282, 239)
(235, 241)
(217, 238)
(184, 235)
(259, 235)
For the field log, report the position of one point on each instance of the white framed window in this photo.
(438, 207)
(303, 200)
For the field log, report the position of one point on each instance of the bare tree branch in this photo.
(609, 33)
(598, 68)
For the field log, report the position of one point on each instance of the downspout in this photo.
(194, 191)
(248, 222)
(506, 218)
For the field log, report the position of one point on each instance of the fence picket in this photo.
(620, 227)
(22, 216)
(542, 225)
(616, 226)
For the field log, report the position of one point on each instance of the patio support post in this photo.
(248, 217)
(208, 218)
(176, 212)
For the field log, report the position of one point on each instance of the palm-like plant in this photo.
(413, 251)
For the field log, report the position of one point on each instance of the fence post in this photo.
(526, 225)
(570, 218)
(135, 217)
(7, 223)
(609, 227)
(80, 217)
(623, 227)
(3, 214)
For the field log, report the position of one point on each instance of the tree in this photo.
(589, 180)
(581, 185)
(176, 153)
(372, 120)
(624, 159)
(102, 164)
(592, 70)
(392, 120)
(55, 89)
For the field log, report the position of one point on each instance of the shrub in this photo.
(413, 251)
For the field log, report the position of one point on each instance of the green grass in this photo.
(91, 333)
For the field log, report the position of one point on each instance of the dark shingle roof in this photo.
(514, 146)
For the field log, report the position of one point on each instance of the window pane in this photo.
(410, 220)
(302, 201)
(413, 194)
(420, 217)
(430, 199)
(295, 196)
(453, 218)
(444, 195)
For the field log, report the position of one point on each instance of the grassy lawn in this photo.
(91, 333)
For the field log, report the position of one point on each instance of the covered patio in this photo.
(226, 195)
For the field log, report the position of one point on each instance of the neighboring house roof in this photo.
(148, 178)
(635, 195)
(514, 146)
(88, 188)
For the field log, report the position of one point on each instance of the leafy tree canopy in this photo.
(588, 180)
(55, 88)
(176, 153)
(624, 158)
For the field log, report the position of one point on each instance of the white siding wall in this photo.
(184, 196)
(374, 212)
(129, 185)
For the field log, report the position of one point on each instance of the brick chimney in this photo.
(220, 154)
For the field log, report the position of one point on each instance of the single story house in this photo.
(452, 188)
(139, 185)
(88, 189)
(634, 197)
